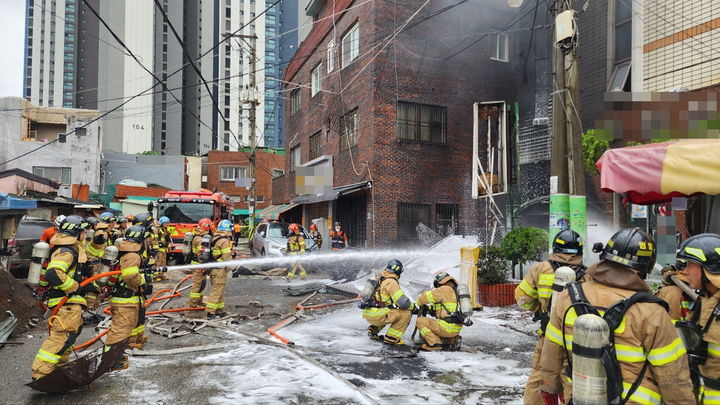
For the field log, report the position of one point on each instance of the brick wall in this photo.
(418, 67)
(265, 162)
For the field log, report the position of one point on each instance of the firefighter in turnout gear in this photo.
(295, 246)
(316, 236)
(198, 285)
(63, 279)
(164, 242)
(101, 239)
(390, 306)
(220, 251)
(534, 293)
(678, 300)
(652, 365)
(442, 301)
(338, 238)
(699, 257)
(127, 302)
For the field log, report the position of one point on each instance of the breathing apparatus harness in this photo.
(456, 317)
(613, 316)
(544, 317)
(698, 349)
(56, 292)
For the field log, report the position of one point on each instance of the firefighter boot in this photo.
(373, 331)
(121, 364)
(452, 344)
(393, 341)
(430, 348)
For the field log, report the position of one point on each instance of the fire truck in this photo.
(186, 208)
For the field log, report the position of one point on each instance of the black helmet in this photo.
(135, 233)
(394, 266)
(442, 277)
(72, 225)
(568, 241)
(145, 219)
(337, 224)
(633, 248)
(92, 221)
(703, 249)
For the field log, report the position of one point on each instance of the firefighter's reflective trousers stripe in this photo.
(433, 330)
(197, 289)
(124, 320)
(295, 267)
(216, 300)
(55, 350)
(397, 318)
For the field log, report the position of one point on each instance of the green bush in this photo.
(522, 245)
(593, 146)
(492, 266)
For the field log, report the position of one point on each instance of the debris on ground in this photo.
(7, 326)
(18, 298)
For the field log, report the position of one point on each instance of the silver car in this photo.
(270, 239)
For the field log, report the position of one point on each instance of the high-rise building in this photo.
(73, 61)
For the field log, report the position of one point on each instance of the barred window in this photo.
(421, 122)
(294, 101)
(409, 215)
(348, 130)
(316, 145)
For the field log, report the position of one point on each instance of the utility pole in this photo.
(250, 96)
(567, 184)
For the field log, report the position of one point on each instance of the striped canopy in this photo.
(654, 173)
(273, 212)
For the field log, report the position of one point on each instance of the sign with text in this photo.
(313, 180)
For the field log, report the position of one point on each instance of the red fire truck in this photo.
(186, 208)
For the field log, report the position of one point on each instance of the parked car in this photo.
(28, 232)
(270, 239)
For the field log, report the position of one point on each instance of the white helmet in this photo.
(59, 219)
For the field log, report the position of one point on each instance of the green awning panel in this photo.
(273, 212)
(241, 211)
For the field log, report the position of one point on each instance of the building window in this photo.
(619, 81)
(623, 30)
(315, 145)
(259, 198)
(331, 56)
(316, 81)
(409, 215)
(351, 45)
(421, 123)
(277, 172)
(446, 219)
(294, 101)
(232, 173)
(294, 158)
(501, 48)
(57, 174)
(348, 130)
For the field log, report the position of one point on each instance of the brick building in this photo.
(383, 96)
(228, 172)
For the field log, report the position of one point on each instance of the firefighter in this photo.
(699, 259)
(534, 293)
(678, 300)
(89, 263)
(390, 306)
(119, 229)
(220, 251)
(127, 302)
(442, 301)
(295, 246)
(650, 355)
(338, 237)
(198, 286)
(63, 278)
(164, 243)
(101, 239)
(144, 220)
(316, 236)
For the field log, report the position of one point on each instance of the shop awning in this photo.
(241, 211)
(334, 194)
(9, 202)
(273, 212)
(654, 173)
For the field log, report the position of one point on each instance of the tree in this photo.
(593, 146)
(492, 266)
(522, 245)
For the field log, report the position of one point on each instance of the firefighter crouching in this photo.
(295, 247)
(699, 257)
(127, 302)
(62, 277)
(197, 256)
(650, 363)
(443, 332)
(387, 304)
(220, 251)
(535, 292)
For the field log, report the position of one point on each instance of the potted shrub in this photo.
(522, 245)
(494, 290)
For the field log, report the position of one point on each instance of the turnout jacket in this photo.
(295, 244)
(196, 245)
(221, 247)
(646, 333)
(96, 247)
(442, 301)
(388, 296)
(535, 290)
(711, 368)
(61, 274)
(128, 292)
(677, 301)
(317, 237)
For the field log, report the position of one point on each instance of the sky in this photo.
(12, 26)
